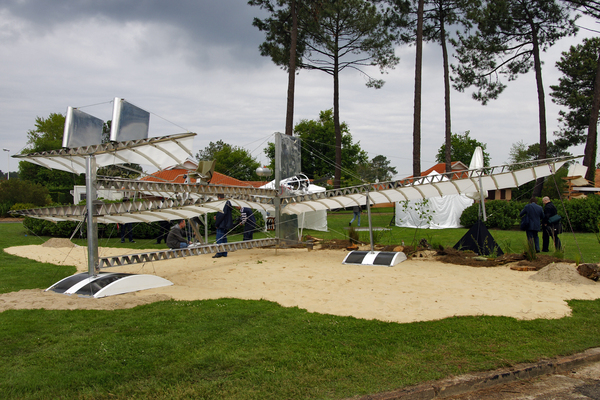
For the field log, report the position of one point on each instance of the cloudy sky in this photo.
(195, 65)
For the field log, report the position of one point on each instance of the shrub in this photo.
(501, 214)
(17, 191)
(583, 213)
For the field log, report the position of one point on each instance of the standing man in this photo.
(534, 214)
(248, 221)
(356, 210)
(127, 231)
(223, 223)
(164, 231)
(177, 238)
(550, 228)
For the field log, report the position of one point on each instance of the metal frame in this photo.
(140, 258)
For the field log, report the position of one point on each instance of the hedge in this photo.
(583, 214)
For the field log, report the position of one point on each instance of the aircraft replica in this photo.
(84, 152)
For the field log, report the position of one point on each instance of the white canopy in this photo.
(159, 152)
(494, 178)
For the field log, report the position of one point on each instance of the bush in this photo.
(501, 214)
(17, 191)
(40, 227)
(4, 209)
(584, 214)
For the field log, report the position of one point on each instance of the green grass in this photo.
(236, 349)
(511, 241)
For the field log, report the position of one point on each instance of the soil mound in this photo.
(561, 273)
(58, 243)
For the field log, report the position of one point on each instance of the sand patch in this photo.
(419, 289)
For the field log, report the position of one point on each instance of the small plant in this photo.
(353, 235)
(423, 211)
(529, 250)
(559, 253)
(507, 245)
(577, 259)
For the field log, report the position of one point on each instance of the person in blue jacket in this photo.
(534, 213)
(223, 223)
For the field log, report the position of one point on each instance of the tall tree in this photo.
(576, 90)
(46, 136)
(522, 153)
(283, 22)
(318, 149)
(438, 16)
(334, 35)
(378, 169)
(591, 8)
(462, 149)
(510, 36)
(418, 84)
(230, 160)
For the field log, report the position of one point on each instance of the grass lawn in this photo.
(237, 349)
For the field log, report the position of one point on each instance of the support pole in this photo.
(92, 225)
(370, 225)
(482, 202)
(277, 199)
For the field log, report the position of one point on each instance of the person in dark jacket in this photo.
(126, 230)
(176, 238)
(164, 231)
(550, 229)
(223, 223)
(248, 221)
(534, 214)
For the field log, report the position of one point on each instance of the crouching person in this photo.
(176, 238)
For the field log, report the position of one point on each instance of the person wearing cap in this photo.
(550, 229)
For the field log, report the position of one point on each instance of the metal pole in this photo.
(482, 204)
(370, 225)
(92, 225)
(277, 199)
(8, 164)
(206, 228)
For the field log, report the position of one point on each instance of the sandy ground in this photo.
(414, 290)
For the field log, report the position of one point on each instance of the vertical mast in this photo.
(92, 226)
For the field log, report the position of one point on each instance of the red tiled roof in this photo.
(176, 176)
(168, 175)
(441, 168)
(597, 178)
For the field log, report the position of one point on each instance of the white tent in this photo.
(316, 220)
(434, 213)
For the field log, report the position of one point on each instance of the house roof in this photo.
(176, 175)
(441, 168)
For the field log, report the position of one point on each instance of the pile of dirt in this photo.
(453, 256)
(561, 273)
(58, 243)
(450, 255)
(335, 244)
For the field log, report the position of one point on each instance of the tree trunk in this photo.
(289, 118)
(537, 191)
(591, 143)
(448, 154)
(417, 104)
(336, 120)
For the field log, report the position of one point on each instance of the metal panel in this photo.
(129, 122)
(81, 129)
(290, 156)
